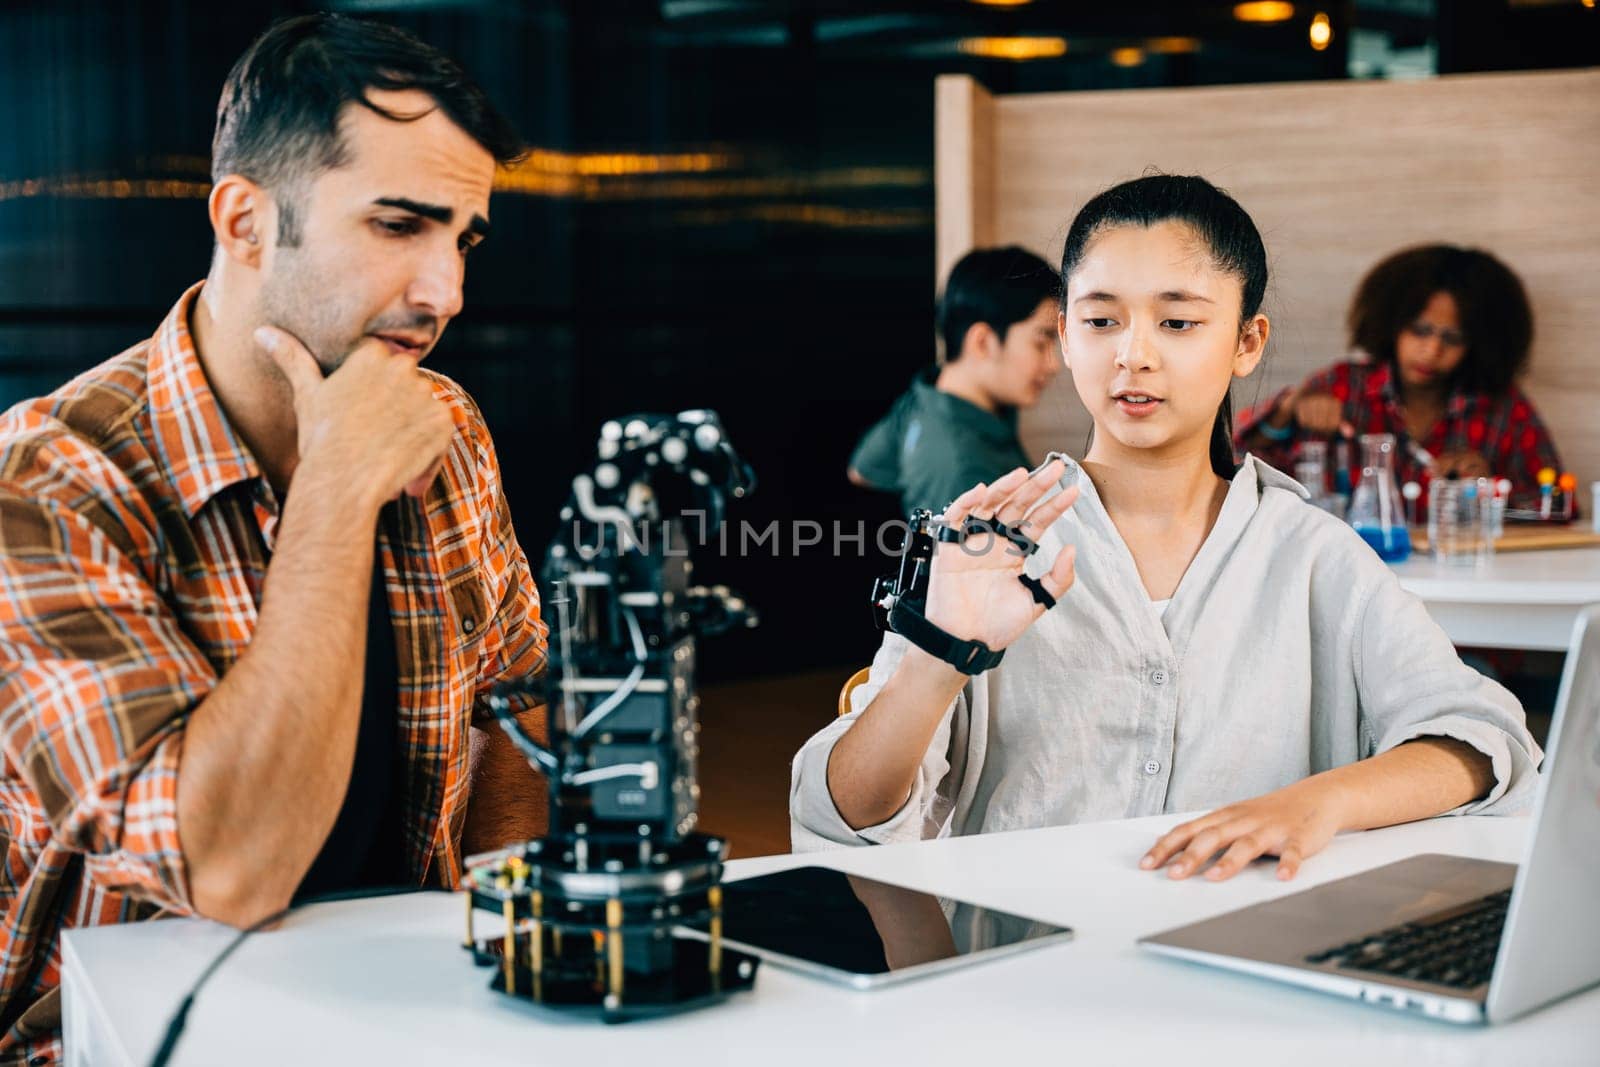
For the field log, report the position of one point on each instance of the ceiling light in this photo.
(1002, 3)
(1127, 57)
(1321, 31)
(1018, 48)
(1172, 46)
(1263, 11)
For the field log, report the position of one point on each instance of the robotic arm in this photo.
(619, 681)
(622, 872)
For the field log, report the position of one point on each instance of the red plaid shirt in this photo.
(1503, 428)
(135, 533)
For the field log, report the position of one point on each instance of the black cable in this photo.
(500, 705)
(180, 1018)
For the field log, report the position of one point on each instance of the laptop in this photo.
(1458, 939)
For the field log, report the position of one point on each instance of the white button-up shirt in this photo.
(1287, 649)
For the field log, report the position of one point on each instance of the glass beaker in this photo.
(1375, 510)
(1341, 468)
(1311, 467)
(1461, 520)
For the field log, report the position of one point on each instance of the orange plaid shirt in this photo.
(135, 533)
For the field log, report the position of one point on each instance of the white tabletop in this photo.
(385, 981)
(1522, 600)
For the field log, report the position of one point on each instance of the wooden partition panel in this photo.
(963, 180)
(963, 149)
(1336, 175)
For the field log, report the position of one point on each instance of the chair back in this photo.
(850, 687)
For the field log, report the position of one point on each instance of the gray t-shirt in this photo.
(931, 447)
(1287, 649)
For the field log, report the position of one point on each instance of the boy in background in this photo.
(957, 424)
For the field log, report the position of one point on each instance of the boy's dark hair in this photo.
(1229, 234)
(995, 286)
(1495, 317)
(278, 117)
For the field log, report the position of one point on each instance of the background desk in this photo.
(384, 981)
(1517, 600)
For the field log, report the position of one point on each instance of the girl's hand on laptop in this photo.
(1291, 823)
(973, 591)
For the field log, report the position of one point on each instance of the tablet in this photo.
(865, 933)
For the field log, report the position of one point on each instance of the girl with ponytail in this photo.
(1208, 640)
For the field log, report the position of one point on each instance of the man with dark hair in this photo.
(957, 424)
(258, 571)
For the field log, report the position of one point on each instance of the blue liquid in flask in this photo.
(1392, 545)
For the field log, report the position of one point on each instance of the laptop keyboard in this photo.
(1457, 950)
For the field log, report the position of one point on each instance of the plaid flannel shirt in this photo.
(135, 534)
(1503, 428)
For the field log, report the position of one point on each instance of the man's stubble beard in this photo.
(301, 298)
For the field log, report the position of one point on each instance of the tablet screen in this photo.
(865, 932)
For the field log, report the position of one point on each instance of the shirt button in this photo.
(1152, 767)
(468, 625)
(1158, 677)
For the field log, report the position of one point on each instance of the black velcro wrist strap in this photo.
(1041, 595)
(968, 657)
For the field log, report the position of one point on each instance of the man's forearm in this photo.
(509, 802)
(267, 755)
(1416, 780)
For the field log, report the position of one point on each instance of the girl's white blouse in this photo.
(1288, 648)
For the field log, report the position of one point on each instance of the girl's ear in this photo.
(1061, 335)
(1252, 346)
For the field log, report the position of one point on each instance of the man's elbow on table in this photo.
(224, 893)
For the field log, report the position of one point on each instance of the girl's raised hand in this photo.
(973, 591)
